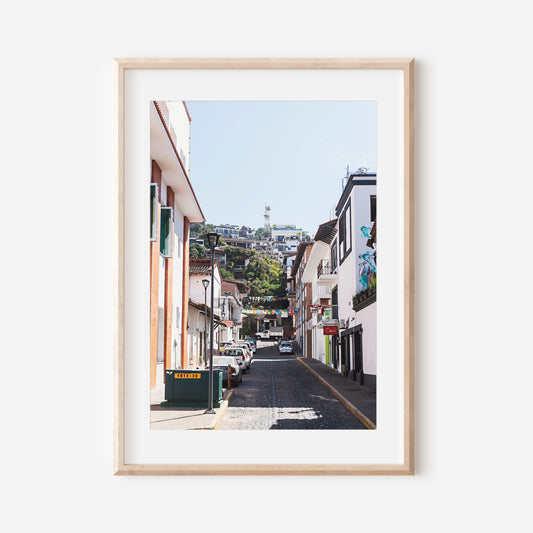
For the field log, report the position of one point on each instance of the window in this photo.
(373, 208)
(165, 244)
(334, 303)
(345, 233)
(153, 211)
(334, 256)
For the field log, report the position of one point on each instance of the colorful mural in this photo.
(366, 232)
(367, 265)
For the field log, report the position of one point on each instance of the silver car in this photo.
(221, 362)
(286, 347)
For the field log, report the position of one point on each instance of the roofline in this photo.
(186, 111)
(156, 105)
(204, 308)
(351, 184)
(301, 248)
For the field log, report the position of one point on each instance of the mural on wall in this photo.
(366, 232)
(367, 265)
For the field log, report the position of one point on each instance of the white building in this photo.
(355, 263)
(286, 239)
(318, 273)
(173, 206)
(228, 230)
(200, 311)
(231, 306)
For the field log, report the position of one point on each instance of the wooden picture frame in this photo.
(403, 467)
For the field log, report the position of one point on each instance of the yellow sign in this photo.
(187, 376)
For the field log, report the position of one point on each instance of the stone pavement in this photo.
(185, 417)
(360, 400)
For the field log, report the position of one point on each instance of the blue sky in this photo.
(291, 156)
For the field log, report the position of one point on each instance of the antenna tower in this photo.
(267, 216)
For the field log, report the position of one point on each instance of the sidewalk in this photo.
(360, 400)
(185, 417)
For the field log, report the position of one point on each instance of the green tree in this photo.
(197, 251)
(262, 234)
(226, 274)
(248, 326)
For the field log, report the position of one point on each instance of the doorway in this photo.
(357, 343)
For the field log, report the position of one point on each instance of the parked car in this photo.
(285, 347)
(243, 359)
(221, 362)
(253, 343)
(245, 346)
(222, 346)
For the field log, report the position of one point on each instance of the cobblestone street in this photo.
(280, 393)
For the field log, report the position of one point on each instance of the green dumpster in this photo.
(190, 388)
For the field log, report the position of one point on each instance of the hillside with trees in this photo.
(263, 275)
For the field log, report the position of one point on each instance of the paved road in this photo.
(278, 392)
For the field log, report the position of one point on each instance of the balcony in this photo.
(325, 274)
(322, 291)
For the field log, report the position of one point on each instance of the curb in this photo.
(223, 406)
(349, 405)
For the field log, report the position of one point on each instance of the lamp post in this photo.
(205, 283)
(212, 240)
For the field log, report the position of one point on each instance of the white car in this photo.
(244, 346)
(252, 343)
(241, 355)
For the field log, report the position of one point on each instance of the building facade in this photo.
(173, 206)
(318, 273)
(232, 307)
(303, 299)
(356, 266)
(200, 308)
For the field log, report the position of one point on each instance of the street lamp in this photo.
(205, 283)
(212, 241)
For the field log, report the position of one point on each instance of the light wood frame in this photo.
(407, 468)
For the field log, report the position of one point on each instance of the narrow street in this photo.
(278, 392)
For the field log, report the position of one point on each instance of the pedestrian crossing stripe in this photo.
(187, 376)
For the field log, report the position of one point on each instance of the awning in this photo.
(329, 322)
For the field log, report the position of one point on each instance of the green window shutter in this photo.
(165, 243)
(153, 211)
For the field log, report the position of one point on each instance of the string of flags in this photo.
(261, 312)
(266, 298)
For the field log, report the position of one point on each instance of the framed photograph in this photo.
(248, 194)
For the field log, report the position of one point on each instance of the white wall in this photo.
(180, 124)
(347, 273)
(367, 318)
(473, 122)
(197, 291)
(177, 281)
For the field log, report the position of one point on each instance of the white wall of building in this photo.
(346, 287)
(196, 289)
(196, 323)
(177, 277)
(367, 317)
(181, 126)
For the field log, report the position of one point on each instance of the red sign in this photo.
(331, 330)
